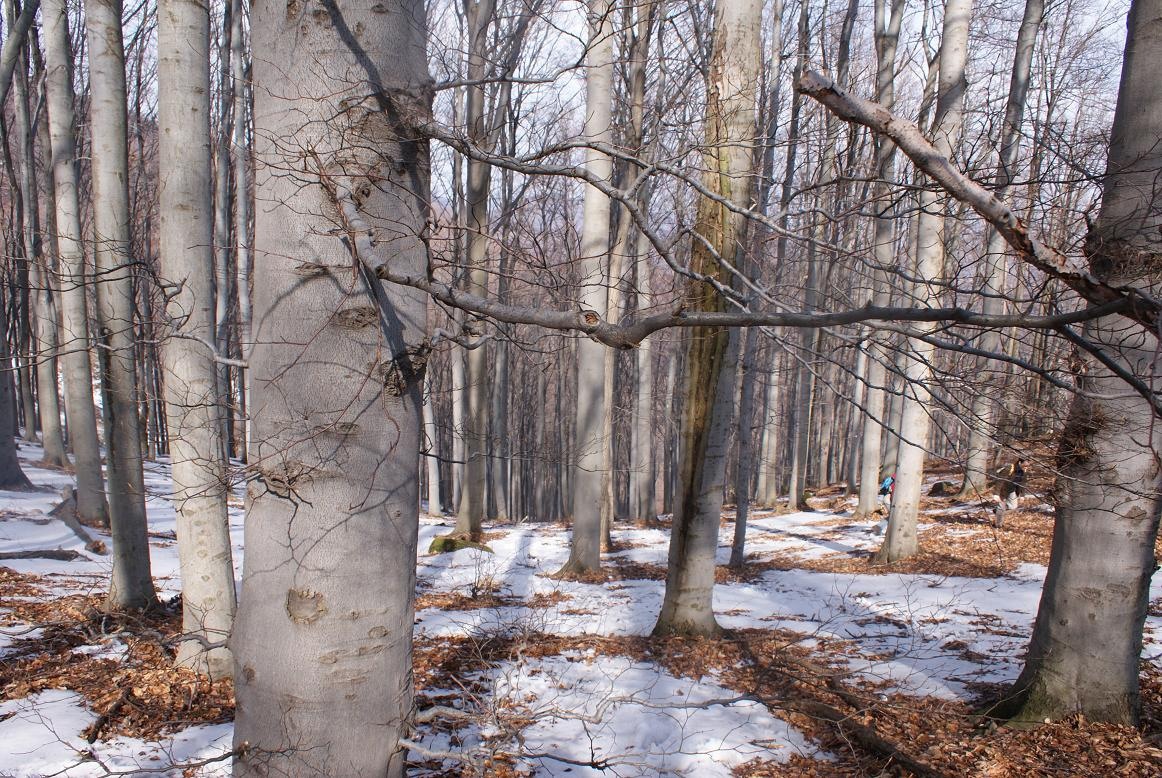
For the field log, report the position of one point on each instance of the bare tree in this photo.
(132, 582)
(74, 331)
(901, 539)
(590, 485)
(708, 383)
(1087, 640)
(192, 403)
(324, 634)
(976, 470)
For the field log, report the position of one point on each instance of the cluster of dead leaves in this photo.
(138, 692)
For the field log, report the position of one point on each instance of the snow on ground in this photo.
(927, 634)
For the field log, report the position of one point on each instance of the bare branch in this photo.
(1072, 271)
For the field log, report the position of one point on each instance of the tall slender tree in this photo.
(132, 582)
(981, 416)
(709, 377)
(588, 472)
(887, 36)
(901, 539)
(192, 403)
(74, 330)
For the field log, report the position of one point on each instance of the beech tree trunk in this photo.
(192, 405)
(1087, 639)
(473, 497)
(901, 539)
(884, 247)
(40, 251)
(132, 582)
(746, 433)
(240, 149)
(11, 474)
(74, 332)
(588, 471)
(709, 375)
(984, 401)
(324, 634)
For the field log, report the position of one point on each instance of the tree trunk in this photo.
(473, 498)
(589, 479)
(240, 150)
(887, 32)
(192, 409)
(746, 432)
(40, 250)
(74, 333)
(1087, 639)
(711, 361)
(324, 635)
(432, 449)
(901, 539)
(132, 582)
(11, 475)
(222, 209)
(984, 402)
(644, 503)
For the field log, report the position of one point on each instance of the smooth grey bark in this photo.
(74, 331)
(40, 250)
(799, 420)
(901, 539)
(324, 634)
(132, 582)
(589, 463)
(981, 417)
(643, 503)
(1087, 639)
(767, 486)
(432, 448)
(13, 44)
(744, 470)
(887, 32)
(711, 355)
(240, 152)
(192, 404)
(459, 422)
(473, 496)
(222, 209)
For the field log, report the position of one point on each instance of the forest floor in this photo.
(827, 666)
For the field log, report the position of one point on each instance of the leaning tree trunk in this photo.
(324, 634)
(192, 404)
(589, 482)
(1087, 640)
(74, 332)
(901, 538)
(984, 402)
(132, 582)
(709, 380)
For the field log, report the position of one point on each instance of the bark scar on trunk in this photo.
(357, 317)
(403, 369)
(305, 606)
